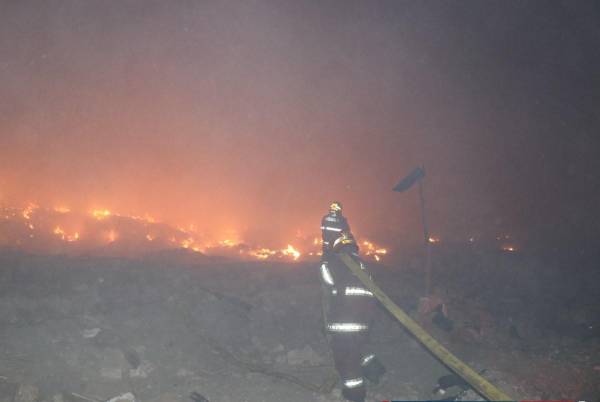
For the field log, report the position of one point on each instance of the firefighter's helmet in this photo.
(335, 207)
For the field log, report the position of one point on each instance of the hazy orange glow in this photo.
(112, 236)
(209, 117)
(62, 209)
(103, 225)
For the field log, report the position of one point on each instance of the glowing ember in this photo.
(262, 253)
(187, 243)
(509, 248)
(290, 250)
(44, 222)
(434, 239)
(145, 218)
(29, 210)
(372, 250)
(64, 236)
(101, 213)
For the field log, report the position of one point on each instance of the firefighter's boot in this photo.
(355, 394)
(372, 369)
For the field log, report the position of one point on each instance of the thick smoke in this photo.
(251, 117)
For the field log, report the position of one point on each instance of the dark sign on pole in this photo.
(406, 183)
(410, 180)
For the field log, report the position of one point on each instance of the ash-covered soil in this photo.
(164, 326)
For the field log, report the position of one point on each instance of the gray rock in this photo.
(142, 371)
(27, 393)
(305, 355)
(112, 364)
(90, 333)
(58, 398)
(111, 373)
(8, 390)
(127, 397)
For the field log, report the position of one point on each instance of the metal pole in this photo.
(427, 242)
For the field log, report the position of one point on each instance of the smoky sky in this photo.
(252, 116)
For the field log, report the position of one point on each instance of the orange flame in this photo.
(101, 213)
(29, 210)
(185, 237)
(262, 253)
(290, 250)
(65, 236)
(373, 250)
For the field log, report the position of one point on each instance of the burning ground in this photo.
(163, 168)
(176, 322)
(105, 232)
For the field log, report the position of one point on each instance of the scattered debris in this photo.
(84, 398)
(440, 318)
(302, 356)
(182, 372)
(27, 393)
(258, 338)
(58, 398)
(7, 390)
(127, 397)
(132, 357)
(111, 373)
(196, 397)
(444, 383)
(90, 333)
(142, 371)
(514, 333)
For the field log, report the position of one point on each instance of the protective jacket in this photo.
(333, 226)
(347, 308)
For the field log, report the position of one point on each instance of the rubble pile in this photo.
(175, 327)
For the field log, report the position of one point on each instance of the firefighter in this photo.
(347, 308)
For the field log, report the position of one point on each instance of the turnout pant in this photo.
(348, 307)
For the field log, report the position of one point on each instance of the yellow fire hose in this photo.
(480, 384)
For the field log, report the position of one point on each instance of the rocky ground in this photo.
(164, 326)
